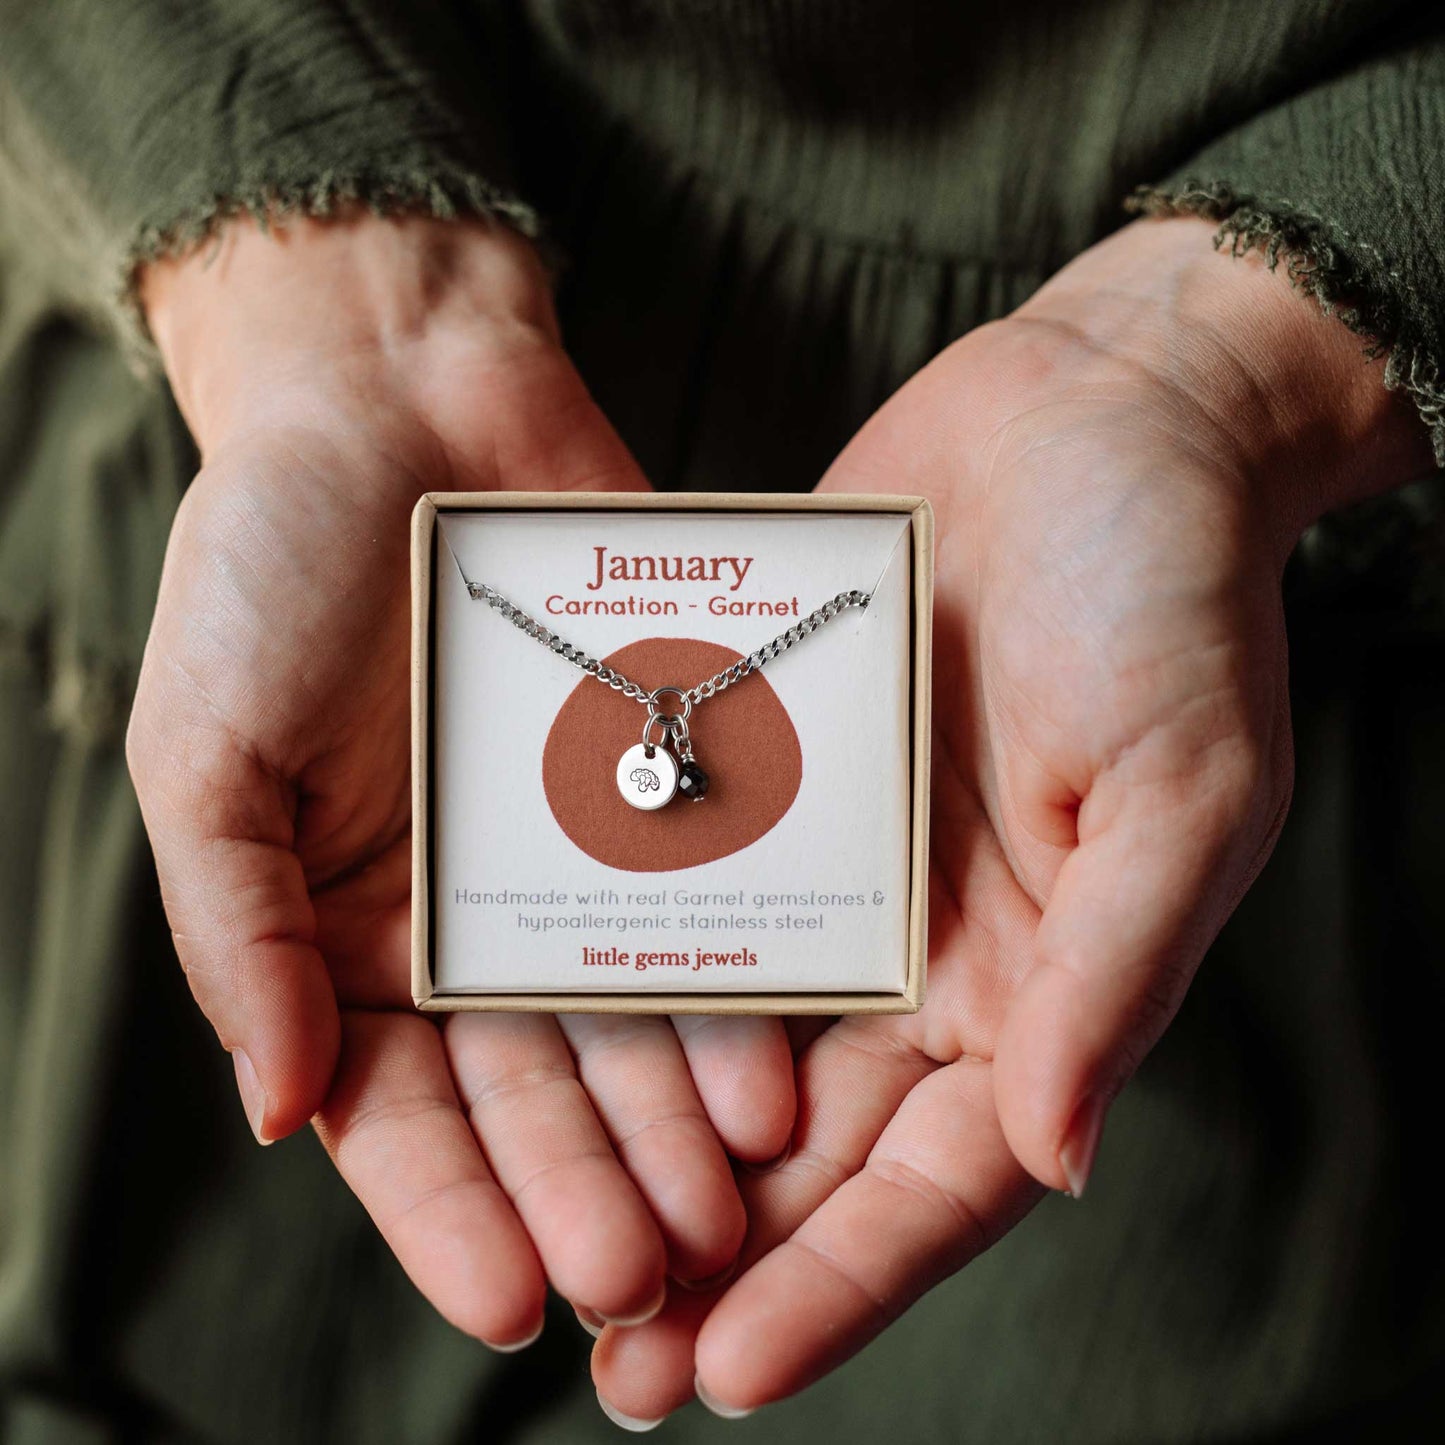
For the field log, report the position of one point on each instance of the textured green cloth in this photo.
(769, 214)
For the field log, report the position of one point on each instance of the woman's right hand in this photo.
(331, 372)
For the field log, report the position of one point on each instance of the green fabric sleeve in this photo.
(130, 128)
(1345, 182)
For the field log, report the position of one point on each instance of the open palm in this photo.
(269, 745)
(1112, 763)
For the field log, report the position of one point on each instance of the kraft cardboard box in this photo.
(798, 883)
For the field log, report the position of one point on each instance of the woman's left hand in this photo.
(1119, 471)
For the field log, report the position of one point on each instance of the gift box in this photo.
(670, 752)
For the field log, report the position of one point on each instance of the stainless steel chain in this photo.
(650, 774)
(717, 683)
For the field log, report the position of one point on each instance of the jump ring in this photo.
(677, 692)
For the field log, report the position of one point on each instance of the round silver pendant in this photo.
(647, 776)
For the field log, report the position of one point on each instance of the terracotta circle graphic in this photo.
(743, 739)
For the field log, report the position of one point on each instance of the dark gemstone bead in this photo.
(692, 782)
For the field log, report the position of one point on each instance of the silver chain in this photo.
(715, 684)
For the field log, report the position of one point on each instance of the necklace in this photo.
(650, 774)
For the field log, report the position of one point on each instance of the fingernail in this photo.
(628, 1422)
(516, 1345)
(254, 1098)
(593, 1323)
(711, 1282)
(768, 1165)
(642, 1317)
(711, 1402)
(1076, 1158)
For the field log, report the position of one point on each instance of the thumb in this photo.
(550, 436)
(220, 824)
(1159, 867)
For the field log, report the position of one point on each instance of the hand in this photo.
(1119, 471)
(331, 373)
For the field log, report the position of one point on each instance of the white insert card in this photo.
(790, 874)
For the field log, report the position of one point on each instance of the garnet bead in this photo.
(692, 781)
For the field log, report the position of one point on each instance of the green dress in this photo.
(766, 214)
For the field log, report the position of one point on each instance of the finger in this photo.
(595, 1234)
(850, 1083)
(589, 456)
(647, 1372)
(1160, 865)
(221, 825)
(634, 1072)
(802, 1029)
(940, 1186)
(394, 1127)
(363, 929)
(852, 1080)
(743, 1069)
(550, 435)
